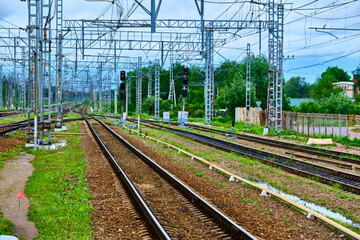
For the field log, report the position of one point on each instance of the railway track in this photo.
(314, 151)
(167, 199)
(349, 182)
(7, 128)
(328, 153)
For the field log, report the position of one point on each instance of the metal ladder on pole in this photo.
(1, 87)
(172, 94)
(209, 74)
(150, 81)
(157, 89)
(33, 30)
(248, 88)
(272, 45)
(59, 63)
(278, 84)
(139, 87)
(45, 74)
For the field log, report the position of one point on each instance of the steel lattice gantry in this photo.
(133, 40)
(88, 36)
(275, 41)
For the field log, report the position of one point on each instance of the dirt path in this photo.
(13, 177)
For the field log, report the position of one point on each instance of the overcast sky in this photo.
(317, 49)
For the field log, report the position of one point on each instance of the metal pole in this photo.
(139, 93)
(1, 89)
(35, 98)
(127, 95)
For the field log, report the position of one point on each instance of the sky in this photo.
(308, 52)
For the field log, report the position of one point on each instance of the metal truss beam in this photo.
(168, 23)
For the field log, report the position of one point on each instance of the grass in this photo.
(248, 200)
(6, 226)
(287, 221)
(5, 156)
(73, 115)
(58, 192)
(15, 118)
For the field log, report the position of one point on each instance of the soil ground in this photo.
(13, 177)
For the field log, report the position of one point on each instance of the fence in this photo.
(316, 123)
(309, 123)
(257, 116)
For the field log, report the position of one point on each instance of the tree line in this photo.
(230, 89)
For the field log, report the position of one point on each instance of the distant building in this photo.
(355, 81)
(348, 88)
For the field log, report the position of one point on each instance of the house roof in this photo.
(343, 83)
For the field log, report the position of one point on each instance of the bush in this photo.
(148, 105)
(357, 99)
(309, 107)
(357, 110)
(199, 113)
(223, 120)
(338, 103)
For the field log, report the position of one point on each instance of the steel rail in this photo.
(346, 157)
(23, 124)
(233, 229)
(349, 182)
(158, 229)
(332, 154)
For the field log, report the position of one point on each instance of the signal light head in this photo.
(122, 75)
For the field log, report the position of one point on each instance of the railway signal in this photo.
(122, 76)
(184, 91)
(122, 95)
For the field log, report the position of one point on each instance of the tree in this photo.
(357, 99)
(338, 103)
(339, 74)
(226, 72)
(296, 87)
(323, 87)
(259, 78)
(309, 107)
(195, 100)
(148, 105)
(236, 93)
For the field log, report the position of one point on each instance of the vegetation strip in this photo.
(58, 192)
(295, 204)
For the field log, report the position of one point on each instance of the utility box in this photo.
(183, 116)
(166, 116)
